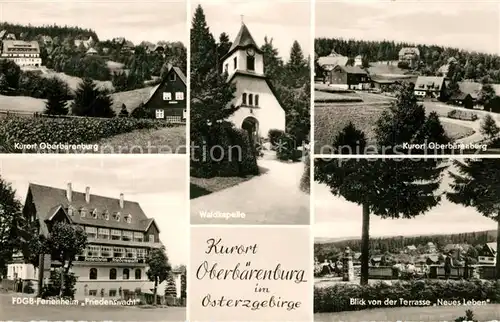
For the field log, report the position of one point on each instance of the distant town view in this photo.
(66, 80)
(364, 85)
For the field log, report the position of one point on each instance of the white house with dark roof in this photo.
(430, 86)
(119, 233)
(23, 53)
(260, 110)
(332, 60)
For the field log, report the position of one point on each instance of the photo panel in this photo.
(407, 77)
(250, 112)
(93, 77)
(242, 274)
(406, 239)
(112, 230)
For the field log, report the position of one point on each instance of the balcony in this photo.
(127, 243)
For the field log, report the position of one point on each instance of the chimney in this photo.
(87, 194)
(69, 192)
(121, 200)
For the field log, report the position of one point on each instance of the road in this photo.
(273, 197)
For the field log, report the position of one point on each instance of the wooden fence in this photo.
(5, 113)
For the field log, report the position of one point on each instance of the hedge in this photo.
(224, 152)
(336, 298)
(30, 130)
(462, 115)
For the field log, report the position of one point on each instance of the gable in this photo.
(264, 79)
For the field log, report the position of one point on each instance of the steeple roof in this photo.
(243, 39)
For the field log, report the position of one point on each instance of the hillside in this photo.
(470, 65)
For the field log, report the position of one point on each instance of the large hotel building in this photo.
(119, 239)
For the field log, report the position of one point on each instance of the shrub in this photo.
(53, 287)
(234, 155)
(275, 136)
(286, 149)
(28, 288)
(67, 130)
(336, 298)
(462, 115)
(305, 181)
(469, 317)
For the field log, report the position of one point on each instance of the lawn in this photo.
(22, 104)
(330, 97)
(330, 119)
(432, 313)
(73, 82)
(163, 141)
(203, 186)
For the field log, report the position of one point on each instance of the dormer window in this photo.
(106, 215)
(128, 219)
(94, 214)
(117, 216)
(71, 211)
(83, 212)
(244, 99)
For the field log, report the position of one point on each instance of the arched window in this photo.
(126, 274)
(256, 100)
(112, 274)
(93, 274)
(244, 99)
(250, 99)
(138, 274)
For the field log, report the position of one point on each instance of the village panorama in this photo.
(387, 93)
(405, 239)
(64, 89)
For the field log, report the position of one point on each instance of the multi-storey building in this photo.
(119, 238)
(23, 53)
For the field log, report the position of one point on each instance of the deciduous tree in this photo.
(159, 268)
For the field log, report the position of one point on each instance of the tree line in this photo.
(398, 243)
(469, 65)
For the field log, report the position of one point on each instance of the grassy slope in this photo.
(22, 103)
(162, 141)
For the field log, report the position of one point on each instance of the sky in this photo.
(337, 218)
(282, 21)
(136, 20)
(471, 25)
(157, 183)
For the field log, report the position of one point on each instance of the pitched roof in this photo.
(412, 247)
(460, 96)
(48, 200)
(268, 81)
(20, 45)
(175, 70)
(409, 51)
(2, 33)
(429, 83)
(492, 246)
(243, 39)
(91, 51)
(352, 69)
(333, 60)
